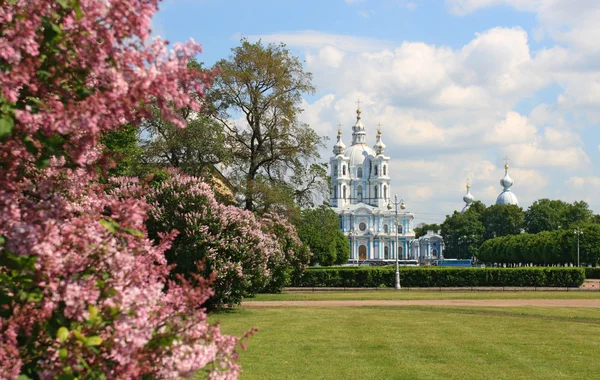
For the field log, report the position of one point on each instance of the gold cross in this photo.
(506, 160)
(358, 103)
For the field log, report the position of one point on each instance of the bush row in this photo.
(440, 277)
(592, 272)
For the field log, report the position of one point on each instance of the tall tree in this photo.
(194, 149)
(549, 215)
(544, 215)
(462, 234)
(256, 97)
(319, 229)
(502, 220)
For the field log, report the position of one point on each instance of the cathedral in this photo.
(361, 196)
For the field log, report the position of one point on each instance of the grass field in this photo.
(422, 295)
(418, 342)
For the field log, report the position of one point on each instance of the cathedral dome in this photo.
(339, 147)
(507, 197)
(379, 146)
(468, 198)
(358, 154)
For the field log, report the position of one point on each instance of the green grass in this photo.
(418, 342)
(422, 295)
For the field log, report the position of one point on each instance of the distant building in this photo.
(360, 196)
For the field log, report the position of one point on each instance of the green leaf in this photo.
(62, 334)
(23, 377)
(93, 310)
(109, 225)
(93, 341)
(63, 353)
(134, 232)
(7, 124)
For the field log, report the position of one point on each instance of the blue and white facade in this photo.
(360, 195)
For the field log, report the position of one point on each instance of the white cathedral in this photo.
(360, 196)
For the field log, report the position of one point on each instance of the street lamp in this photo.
(402, 206)
(578, 232)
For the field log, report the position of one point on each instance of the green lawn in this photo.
(423, 295)
(418, 342)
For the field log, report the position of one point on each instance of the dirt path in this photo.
(592, 303)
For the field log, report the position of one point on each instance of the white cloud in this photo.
(451, 113)
(512, 130)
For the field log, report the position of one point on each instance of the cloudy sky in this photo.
(457, 85)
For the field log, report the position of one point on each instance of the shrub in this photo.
(83, 291)
(440, 277)
(592, 272)
(246, 254)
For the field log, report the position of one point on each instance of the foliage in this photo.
(550, 215)
(243, 251)
(462, 234)
(544, 248)
(319, 229)
(193, 149)
(502, 220)
(592, 272)
(122, 147)
(422, 228)
(83, 292)
(440, 277)
(295, 258)
(273, 152)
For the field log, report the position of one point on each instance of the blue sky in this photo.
(456, 84)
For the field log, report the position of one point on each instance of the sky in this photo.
(457, 85)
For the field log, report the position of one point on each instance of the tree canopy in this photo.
(319, 229)
(256, 97)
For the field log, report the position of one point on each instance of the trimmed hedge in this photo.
(368, 277)
(592, 272)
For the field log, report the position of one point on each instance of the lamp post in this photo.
(578, 232)
(402, 206)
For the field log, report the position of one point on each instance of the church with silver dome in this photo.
(506, 197)
(361, 196)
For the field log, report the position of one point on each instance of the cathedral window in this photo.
(399, 229)
(375, 169)
(359, 172)
(375, 192)
(344, 192)
(386, 252)
(335, 191)
(362, 226)
(335, 170)
(359, 192)
(384, 170)
(344, 170)
(384, 192)
(385, 229)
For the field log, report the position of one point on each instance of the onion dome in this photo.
(507, 197)
(379, 146)
(359, 136)
(468, 198)
(339, 147)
